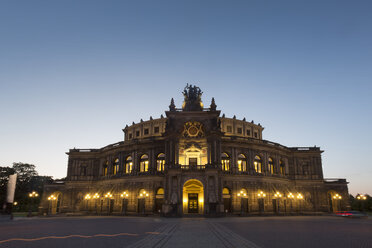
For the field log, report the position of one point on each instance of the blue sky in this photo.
(74, 73)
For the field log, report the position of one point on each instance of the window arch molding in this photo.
(257, 162)
(160, 162)
(271, 165)
(241, 162)
(225, 161)
(144, 163)
(128, 164)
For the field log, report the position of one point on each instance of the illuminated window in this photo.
(128, 165)
(144, 163)
(242, 163)
(225, 191)
(282, 168)
(257, 164)
(105, 166)
(160, 162)
(271, 166)
(225, 161)
(160, 192)
(115, 167)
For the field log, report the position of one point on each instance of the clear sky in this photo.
(74, 73)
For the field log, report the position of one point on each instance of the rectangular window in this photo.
(193, 161)
(130, 136)
(146, 131)
(137, 133)
(248, 132)
(156, 129)
(229, 129)
(240, 130)
(255, 134)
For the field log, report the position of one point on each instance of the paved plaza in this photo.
(296, 231)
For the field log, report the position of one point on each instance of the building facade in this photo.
(194, 161)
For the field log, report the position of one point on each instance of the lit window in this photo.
(225, 161)
(160, 192)
(115, 167)
(105, 166)
(226, 191)
(271, 166)
(257, 164)
(282, 168)
(144, 163)
(229, 129)
(128, 165)
(242, 163)
(160, 162)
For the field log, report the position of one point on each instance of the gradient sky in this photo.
(74, 73)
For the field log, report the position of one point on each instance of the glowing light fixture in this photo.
(124, 195)
(261, 194)
(362, 197)
(290, 195)
(337, 197)
(52, 198)
(277, 194)
(300, 196)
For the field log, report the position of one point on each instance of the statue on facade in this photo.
(192, 98)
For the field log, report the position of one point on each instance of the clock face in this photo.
(193, 130)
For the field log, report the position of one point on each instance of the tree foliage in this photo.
(28, 180)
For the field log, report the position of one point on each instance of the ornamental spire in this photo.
(172, 106)
(213, 106)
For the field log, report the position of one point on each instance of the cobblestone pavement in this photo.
(134, 232)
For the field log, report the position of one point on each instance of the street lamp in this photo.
(242, 194)
(31, 195)
(277, 197)
(338, 198)
(124, 195)
(143, 195)
(51, 198)
(362, 198)
(95, 197)
(290, 196)
(261, 195)
(300, 197)
(87, 198)
(108, 196)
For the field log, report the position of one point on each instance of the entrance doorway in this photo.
(193, 197)
(193, 203)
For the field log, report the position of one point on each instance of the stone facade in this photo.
(194, 161)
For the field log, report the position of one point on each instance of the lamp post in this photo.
(277, 197)
(124, 195)
(31, 195)
(362, 198)
(143, 195)
(337, 199)
(241, 195)
(261, 195)
(108, 196)
(291, 197)
(300, 197)
(87, 198)
(95, 197)
(51, 198)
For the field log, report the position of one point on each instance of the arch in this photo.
(193, 197)
(334, 201)
(115, 167)
(144, 163)
(160, 162)
(242, 162)
(257, 164)
(225, 191)
(128, 165)
(270, 166)
(225, 161)
(54, 202)
(160, 192)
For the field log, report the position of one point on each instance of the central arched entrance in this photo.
(193, 197)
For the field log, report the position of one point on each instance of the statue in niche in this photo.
(192, 98)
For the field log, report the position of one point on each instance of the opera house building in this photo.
(195, 161)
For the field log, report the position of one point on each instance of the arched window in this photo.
(225, 191)
(257, 164)
(242, 163)
(160, 193)
(282, 168)
(271, 166)
(225, 161)
(160, 161)
(115, 167)
(144, 163)
(128, 165)
(105, 166)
